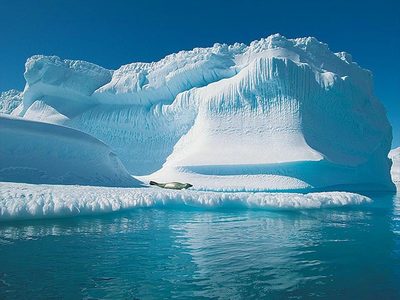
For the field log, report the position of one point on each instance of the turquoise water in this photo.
(351, 253)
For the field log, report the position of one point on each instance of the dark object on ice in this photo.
(172, 185)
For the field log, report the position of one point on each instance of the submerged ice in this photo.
(278, 115)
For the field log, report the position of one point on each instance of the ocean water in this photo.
(159, 253)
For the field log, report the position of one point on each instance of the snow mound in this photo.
(394, 155)
(36, 152)
(9, 101)
(226, 110)
(25, 201)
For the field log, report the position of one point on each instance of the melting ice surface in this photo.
(187, 253)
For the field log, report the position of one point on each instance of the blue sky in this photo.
(112, 33)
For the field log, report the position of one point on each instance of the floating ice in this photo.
(26, 201)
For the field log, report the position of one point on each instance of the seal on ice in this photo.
(172, 185)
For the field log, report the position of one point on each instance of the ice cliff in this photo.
(278, 114)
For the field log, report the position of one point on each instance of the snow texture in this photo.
(9, 101)
(394, 155)
(287, 112)
(44, 153)
(25, 201)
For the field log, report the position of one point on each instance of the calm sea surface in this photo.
(348, 253)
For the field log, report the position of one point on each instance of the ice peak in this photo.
(38, 64)
(312, 45)
(273, 41)
(345, 56)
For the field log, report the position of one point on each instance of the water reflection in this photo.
(152, 253)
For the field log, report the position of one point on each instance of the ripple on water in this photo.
(228, 254)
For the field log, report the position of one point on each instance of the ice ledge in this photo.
(26, 201)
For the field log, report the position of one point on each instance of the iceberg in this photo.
(276, 115)
(36, 152)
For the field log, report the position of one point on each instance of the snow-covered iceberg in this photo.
(394, 155)
(37, 152)
(279, 114)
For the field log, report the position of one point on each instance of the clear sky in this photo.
(112, 33)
